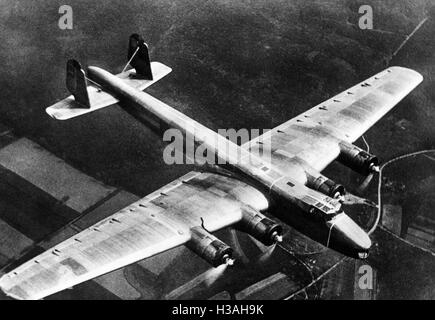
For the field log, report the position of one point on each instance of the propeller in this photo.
(374, 168)
(266, 251)
(363, 186)
(263, 257)
(213, 274)
(237, 247)
(351, 199)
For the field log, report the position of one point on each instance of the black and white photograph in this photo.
(235, 151)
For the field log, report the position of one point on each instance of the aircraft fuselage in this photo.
(311, 212)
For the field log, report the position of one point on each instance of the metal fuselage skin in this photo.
(309, 211)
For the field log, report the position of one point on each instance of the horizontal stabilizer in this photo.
(70, 107)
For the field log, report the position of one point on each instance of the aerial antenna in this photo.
(407, 38)
(367, 145)
(202, 225)
(129, 61)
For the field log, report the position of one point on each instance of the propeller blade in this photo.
(214, 274)
(237, 247)
(263, 257)
(365, 183)
(351, 199)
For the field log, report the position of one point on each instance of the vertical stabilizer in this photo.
(139, 58)
(76, 82)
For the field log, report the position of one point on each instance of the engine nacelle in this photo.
(357, 159)
(210, 248)
(260, 227)
(319, 182)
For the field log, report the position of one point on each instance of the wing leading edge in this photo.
(313, 137)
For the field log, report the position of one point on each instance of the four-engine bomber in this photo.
(243, 187)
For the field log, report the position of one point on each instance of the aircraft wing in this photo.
(68, 108)
(156, 223)
(313, 136)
